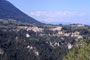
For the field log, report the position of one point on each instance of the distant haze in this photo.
(56, 11)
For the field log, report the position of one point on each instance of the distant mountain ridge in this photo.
(9, 11)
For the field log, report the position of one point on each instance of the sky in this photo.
(56, 11)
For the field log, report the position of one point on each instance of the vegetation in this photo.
(15, 45)
(81, 51)
(89, 30)
(18, 41)
(16, 48)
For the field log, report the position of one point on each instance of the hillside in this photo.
(81, 51)
(9, 11)
(23, 41)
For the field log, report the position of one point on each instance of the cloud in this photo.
(38, 13)
(54, 14)
(58, 16)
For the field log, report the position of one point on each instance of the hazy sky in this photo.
(56, 11)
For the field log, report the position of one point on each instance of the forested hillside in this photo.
(24, 41)
(80, 51)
